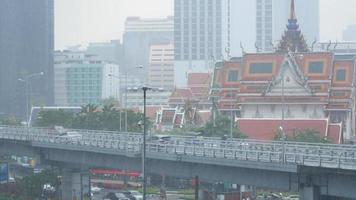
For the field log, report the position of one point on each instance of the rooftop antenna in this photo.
(313, 44)
(227, 51)
(336, 43)
(328, 47)
(242, 48)
(257, 47)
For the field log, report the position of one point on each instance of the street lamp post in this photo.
(144, 142)
(125, 100)
(27, 80)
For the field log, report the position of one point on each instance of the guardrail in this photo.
(307, 154)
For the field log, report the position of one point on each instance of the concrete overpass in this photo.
(317, 171)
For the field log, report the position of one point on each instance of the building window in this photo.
(316, 67)
(341, 75)
(233, 76)
(339, 94)
(261, 68)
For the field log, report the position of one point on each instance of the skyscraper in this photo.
(270, 21)
(198, 35)
(27, 43)
(208, 30)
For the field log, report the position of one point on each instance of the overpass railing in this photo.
(307, 154)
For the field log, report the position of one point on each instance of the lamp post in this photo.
(145, 88)
(125, 100)
(27, 80)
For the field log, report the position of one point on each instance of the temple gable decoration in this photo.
(292, 40)
(294, 84)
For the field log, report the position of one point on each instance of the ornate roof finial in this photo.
(292, 40)
(292, 10)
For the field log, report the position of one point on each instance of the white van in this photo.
(73, 135)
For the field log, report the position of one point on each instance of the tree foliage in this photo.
(54, 117)
(30, 187)
(93, 117)
(221, 128)
(306, 135)
(10, 121)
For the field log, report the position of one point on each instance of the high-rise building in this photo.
(161, 68)
(27, 43)
(349, 33)
(139, 35)
(270, 21)
(208, 30)
(82, 79)
(198, 36)
(107, 51)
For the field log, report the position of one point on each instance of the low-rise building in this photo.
(80, 79)
(155, 97)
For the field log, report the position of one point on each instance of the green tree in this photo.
(306, 135)
(50, 118)
(10, 121)
(110, 101)
(221, 128)
(88, 118)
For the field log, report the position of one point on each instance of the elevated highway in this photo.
(312, 169)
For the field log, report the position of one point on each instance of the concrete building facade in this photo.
(155, 97)
(161, 68)
(27, 43)
(139, 35)
(81, 79)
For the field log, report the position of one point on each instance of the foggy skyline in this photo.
(84, 21)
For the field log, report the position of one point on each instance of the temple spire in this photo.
(292, 40)
(292, 10)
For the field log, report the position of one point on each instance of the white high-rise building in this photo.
(209, 30)
(271, 20)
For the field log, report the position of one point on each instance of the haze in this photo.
(84, 21)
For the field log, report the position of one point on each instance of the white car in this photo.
(95, 189)
(136, 194)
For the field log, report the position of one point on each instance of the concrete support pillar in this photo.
(75, 185)
(309, 193)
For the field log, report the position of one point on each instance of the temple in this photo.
(293, 89)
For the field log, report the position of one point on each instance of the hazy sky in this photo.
(83, 21)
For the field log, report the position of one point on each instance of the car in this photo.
(136, 194)
(292, 197)
(160, 138)
(95, 189)
(72, 135)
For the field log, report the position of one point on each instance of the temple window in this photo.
(233, 76)
(316, 67)
(261, 68)
(341, 75)
(339, 93)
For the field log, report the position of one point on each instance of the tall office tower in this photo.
(270, 21)
(139, 35)
(209, 30)
(198, 36)
(27, 43)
